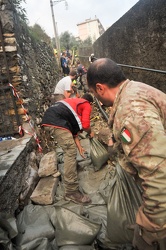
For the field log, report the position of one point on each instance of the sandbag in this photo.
(39, 244)
(8, 230)
(34, 223)
(72, 247)
(123, 203)
(99, 214)
(99, 155)
(73, 229)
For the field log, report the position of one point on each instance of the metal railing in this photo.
(105, 115)
(142, 68)
(134, 67)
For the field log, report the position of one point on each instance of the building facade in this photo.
(90, 28)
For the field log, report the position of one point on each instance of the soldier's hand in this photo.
(112, 152)
(139, 243)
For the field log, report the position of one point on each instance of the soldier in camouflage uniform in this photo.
(138, 123)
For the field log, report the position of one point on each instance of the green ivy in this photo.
(39, 34)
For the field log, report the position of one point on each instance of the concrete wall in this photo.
(15, 164)
(138, 38)
(84, 54)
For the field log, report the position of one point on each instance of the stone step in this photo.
(48, 164)
(45, 190)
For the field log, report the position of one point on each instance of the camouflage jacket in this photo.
(138, 122)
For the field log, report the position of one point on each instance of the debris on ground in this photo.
(45, 220)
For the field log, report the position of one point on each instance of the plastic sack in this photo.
(72, 247)
(123, 203)
(34, 223)
(99, 155)
(73, 229)
(39, 244)
(8, 230)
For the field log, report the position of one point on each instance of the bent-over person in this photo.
(65, 120)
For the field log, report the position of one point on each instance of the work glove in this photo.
(139, 243)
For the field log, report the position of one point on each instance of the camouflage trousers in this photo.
(65, 140)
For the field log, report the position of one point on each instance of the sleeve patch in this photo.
(126, 136)
(132, 132)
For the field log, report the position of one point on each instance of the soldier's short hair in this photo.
(104, 70)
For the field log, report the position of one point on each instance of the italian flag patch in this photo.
(126, 135)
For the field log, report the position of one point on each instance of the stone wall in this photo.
(30, 66)
(138, 39)
(32, 70)
(15, 164)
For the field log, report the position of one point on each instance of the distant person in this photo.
(68, 54)
(81, 71)
(63, 89)
(64, 64)
(64, 121)
(92, 58)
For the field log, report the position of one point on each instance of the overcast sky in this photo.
(107, 11)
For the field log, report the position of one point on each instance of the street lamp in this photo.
(55, 25)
